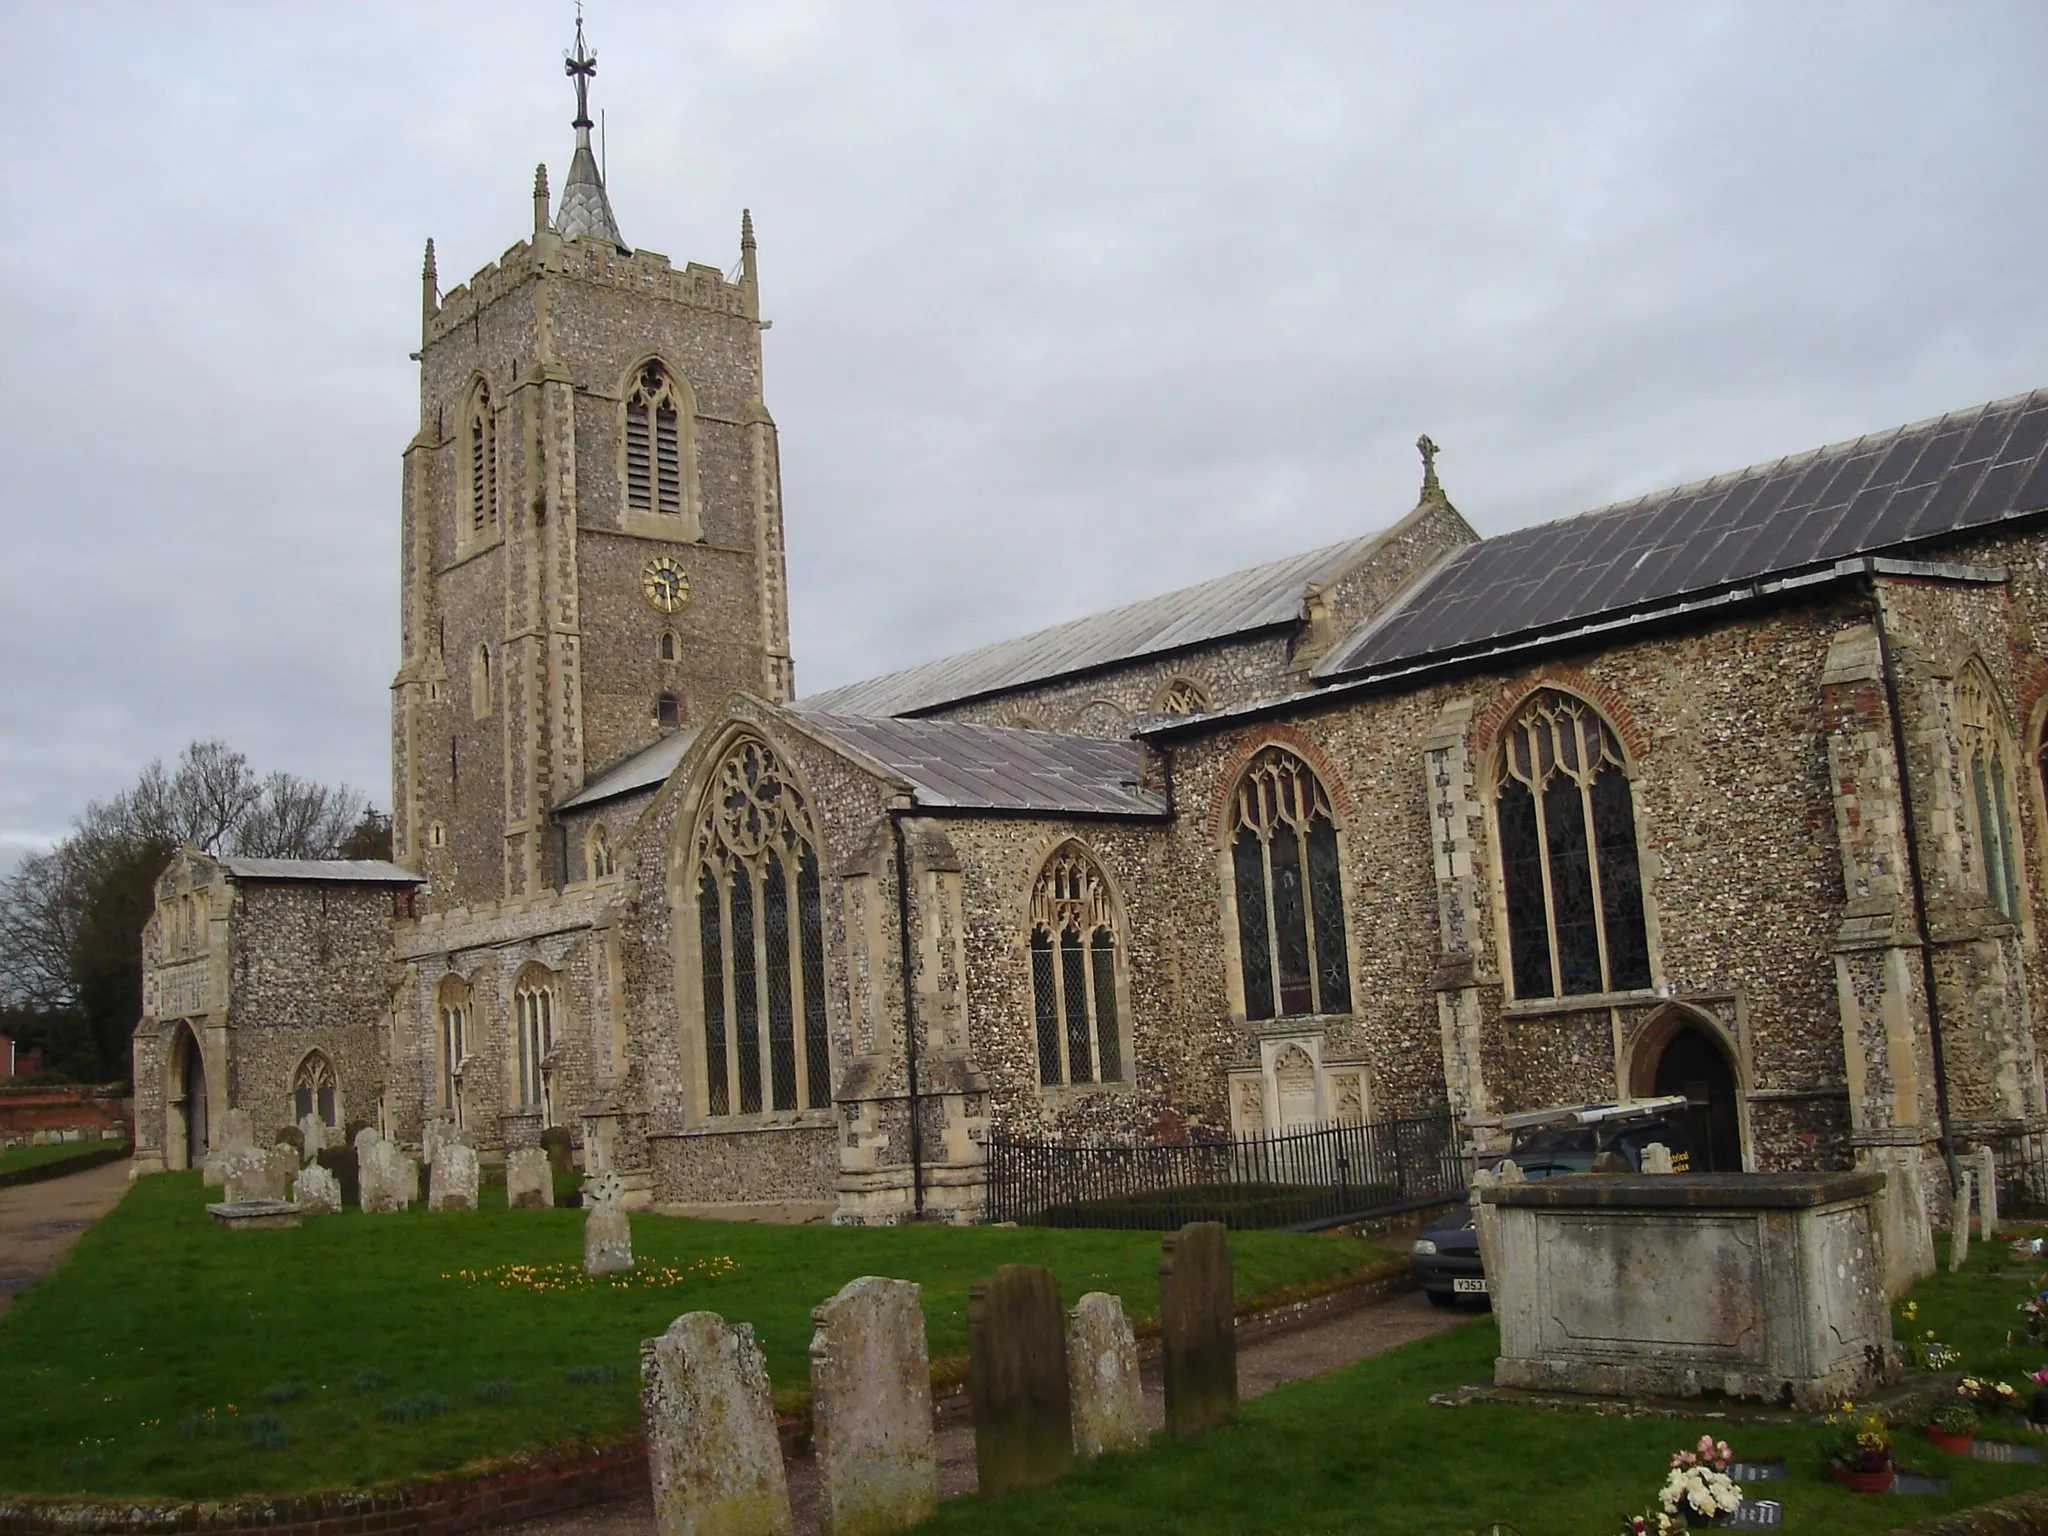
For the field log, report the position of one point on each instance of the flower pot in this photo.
(1856, 1480)
(1956, 1443)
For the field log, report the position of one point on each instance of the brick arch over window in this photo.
(754, 940)
(1569, 866)
(1077, 971)
(1486, 728)
(1286, 736)
(1287, 889)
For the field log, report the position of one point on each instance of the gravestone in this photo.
(1987, 1193)
(453, 1185)
(1102, 1378)
(341, 1162)
(251, 1173)
(232, 1137)
(390, 1178)
(1198, 1328)
(607, 1236)
(1959, 1226)
(1657, 1158)
(555, 1141)
(312, 1137)
(712, 1451)
(871, 1410)
(291, 1136)
(529, 1179)
(1017, 1379)
(317, 1190)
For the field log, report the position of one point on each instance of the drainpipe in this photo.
(1915, 876)
(909, 1010)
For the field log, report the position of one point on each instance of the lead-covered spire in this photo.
(584, 210)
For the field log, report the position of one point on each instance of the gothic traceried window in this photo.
(761, 943)
(1987, 798)
(1290, 899)
(1184, 696)
(654, 443)
(315, 1090)
(1074, 966)
(601, 861)
(1568, 856)
(452, 1046)
(534, 1006)
(482, 449)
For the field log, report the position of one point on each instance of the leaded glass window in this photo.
(1569, 866)
(1289, 890)
(1074, 972)
(654, 452)
(315, 1090)
(1981, 738)
(761, 943)
(452, 1045)
(533, 1039)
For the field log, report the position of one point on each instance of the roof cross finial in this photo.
(1430, 484)
(581, 66)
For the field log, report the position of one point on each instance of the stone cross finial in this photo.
(1430, 485)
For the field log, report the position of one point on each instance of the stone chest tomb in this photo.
(1761, 1286)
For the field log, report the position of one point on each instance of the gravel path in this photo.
(39, 1222)
(1260, 1368)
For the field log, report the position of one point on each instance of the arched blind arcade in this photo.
(761, 943)
(1074, 971)
(1290, 897)
(654, 444)
(1568, 854)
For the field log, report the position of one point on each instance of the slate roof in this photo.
(643, 770)
(952, 765)
(1237, 604)
(584, 209)
(1875, 494)
(346, 871)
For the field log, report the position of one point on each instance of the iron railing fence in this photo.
(2022, 1163)
(1323, 1176)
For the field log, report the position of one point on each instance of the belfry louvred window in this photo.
(1568, 853)
(1290, 895)
(761, 944)
(1074, 959)
(654, 444)
(483, 463)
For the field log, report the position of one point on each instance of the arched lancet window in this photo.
(1982, 739)
(1568, 857)
(667, 647)
(600, 853)
(452, 1045)
(761, 943)
(1074, 959)
(480, 682)
(482, 446)
(654, 444)
(1290, 897)
(535, 1004)
(315, 1090)
(1184, 696)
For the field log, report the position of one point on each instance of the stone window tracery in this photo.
(1184, 696)
(1987, 799)
(534, 1007)
(600, 852)
(654, 443)
(1290, 899)
(315, 1090)
(481, 437)
(1075, 961)
(452, 1046)
(761, 943)
(1569, 864)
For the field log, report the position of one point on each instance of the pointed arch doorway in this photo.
(188, 1071)
(1679, 1054)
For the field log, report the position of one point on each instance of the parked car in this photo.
(1545, 1144)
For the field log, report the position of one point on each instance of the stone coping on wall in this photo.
(1710, 1191)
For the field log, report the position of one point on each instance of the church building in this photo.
(1734, 790)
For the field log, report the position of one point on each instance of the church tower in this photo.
(592, 553)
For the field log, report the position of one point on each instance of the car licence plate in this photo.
(1469, 1287)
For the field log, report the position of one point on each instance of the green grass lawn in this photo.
(1362, 1451)
(14, 1159)
(144, 1363)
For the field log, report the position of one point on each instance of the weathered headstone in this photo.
(390, 1179)
(312, 1137)
(871, 1410)
(1198, 1328)
(529, 1180)
(1102, 1378)
(341, 1162)
(712, 1451)
(1017, 1379)
(453, 1186)
(231, 1136)
(607, 1237)
(253, 1173)
(1959, 1226)
(291, 1136)
(1987, 1193)
(432, 1134)
(317, 1190)
(1656, 1158)
(556, 1142)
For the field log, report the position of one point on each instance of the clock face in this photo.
(665, 585)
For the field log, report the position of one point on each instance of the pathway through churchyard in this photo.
(40, 1221)
(1260, 1368)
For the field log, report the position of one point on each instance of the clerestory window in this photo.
(1568, 856)
(761, 943)
(1290, 896)
(654, 443)
(1074, 967)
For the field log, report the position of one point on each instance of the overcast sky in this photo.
(1072, 304)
